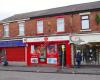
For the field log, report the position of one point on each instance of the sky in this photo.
(11, 7)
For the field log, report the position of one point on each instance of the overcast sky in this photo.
(11, 7)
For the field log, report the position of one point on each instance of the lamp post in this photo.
(63, 49)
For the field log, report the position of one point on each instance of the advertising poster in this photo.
(39, 51)
(34, 60)
(52, 60)
(52, 49)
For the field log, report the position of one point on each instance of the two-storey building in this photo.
(53, 36)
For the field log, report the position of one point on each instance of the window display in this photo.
(34, 60)
(39, 50)
(52, 49)
(90, 54)
(32, 49)
(52, 60)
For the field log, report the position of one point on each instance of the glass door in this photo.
(62, 54)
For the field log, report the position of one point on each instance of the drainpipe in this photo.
(26, 54)
(72, 54)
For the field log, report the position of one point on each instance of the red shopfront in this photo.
(53, 50)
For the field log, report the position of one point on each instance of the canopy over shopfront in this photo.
(89, 45)
(85, 38)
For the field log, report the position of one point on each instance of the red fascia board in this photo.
(37, 19)
(61, 16)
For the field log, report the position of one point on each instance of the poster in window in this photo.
(34, 60)
(52, 49)
(52, 60)
(32, 49)
(41, 51)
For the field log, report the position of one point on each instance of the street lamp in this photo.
(63, 49)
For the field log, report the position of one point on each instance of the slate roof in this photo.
(54, 11)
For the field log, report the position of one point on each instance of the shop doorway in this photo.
(2, 55)
(62, 55)
(90, 54)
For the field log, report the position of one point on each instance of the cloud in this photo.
(10, 7)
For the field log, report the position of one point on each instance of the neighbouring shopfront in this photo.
(89, 46)
(12, 50)
(91, 54)
(53, 50)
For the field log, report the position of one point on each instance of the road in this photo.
(11, 75)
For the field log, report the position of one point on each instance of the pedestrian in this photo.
(78, 58)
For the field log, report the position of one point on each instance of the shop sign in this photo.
(11, 43)
(34, 60)
(75, 39)
(58, 38)
(42, 39)
(33, 39)
(52, 60)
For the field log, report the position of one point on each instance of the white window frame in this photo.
(21, 28)
(40, 26)
(85, 22)
(6, 30)
(60, 25)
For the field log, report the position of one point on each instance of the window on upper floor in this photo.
(39, 26)
(60, 25)
(85, 22)
(6, 30)
(21, 28)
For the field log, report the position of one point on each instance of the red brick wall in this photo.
(93, 24)
(50, 25)
(13, 29)
(30, 28)
(1, 30)
(72, 24)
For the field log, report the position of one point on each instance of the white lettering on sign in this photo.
(42, 39)
(58, 38)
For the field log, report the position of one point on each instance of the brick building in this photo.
(53, 36)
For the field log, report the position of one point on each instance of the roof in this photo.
(54, 11)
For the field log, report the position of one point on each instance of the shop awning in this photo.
(85, 38)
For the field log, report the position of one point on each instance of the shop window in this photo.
(90, 54)
(60, 25)
(52, 52)
(32, 49)
(85, 22)
(39, 26)
(52, 49)
(6, 30)
(39, 50)
(21, 28)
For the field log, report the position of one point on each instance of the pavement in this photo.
(43, 69)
